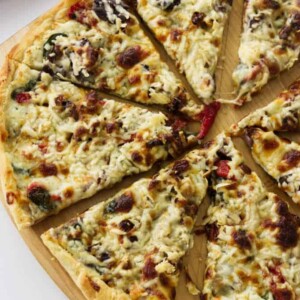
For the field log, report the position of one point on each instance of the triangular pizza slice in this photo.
(279, 156)
(130, 246)
(100, 44)
(191, 32)
(61, 143)
(253, 239)
(270, 44)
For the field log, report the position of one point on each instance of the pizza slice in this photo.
(234, 189)
(100, 44)
(279, 156)
(257, 260)
(130, 246)
(61, 143)
(253, 239)
(270, 44)
(191, 32)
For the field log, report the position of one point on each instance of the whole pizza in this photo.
(101, 90)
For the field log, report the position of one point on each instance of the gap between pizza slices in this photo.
(61, 143)
(100, 45)
(277, 155)
(270, 44)
(253, 239)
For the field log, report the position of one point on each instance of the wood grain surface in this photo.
(195, 259)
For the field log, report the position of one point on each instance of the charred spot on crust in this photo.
(242, 239)
(212, 231)
(130, 57)
(10, 198)
(40, 196)
(122, 204)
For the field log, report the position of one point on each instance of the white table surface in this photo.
(21, 276)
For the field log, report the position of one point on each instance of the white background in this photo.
(21, 276)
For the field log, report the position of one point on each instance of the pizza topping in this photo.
(154, 143)
(75, 10)
(177, 103)
(249, 132)
(180, 166)
(190, 209)
(287, 235)
(273, 4)
(149, 271)
(48, 169)
(126, 225)
(175, 35)
(50, 47)
(223, 168)
(22, 90)
(242, 239)
(198, 20)
(207, 117)
(167, 5)
(136, 157)
(23, 98)
(292, 158)
(282, 294)
(110, 10)
(123, 204)
(130, 57)
(40, 196)
(212, 231)
(67, 106)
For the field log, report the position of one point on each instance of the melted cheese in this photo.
(90, 150)
(161, 226)
(263, 52)
(195, 48)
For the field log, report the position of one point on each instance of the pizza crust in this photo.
(20, 215)
(83, 278)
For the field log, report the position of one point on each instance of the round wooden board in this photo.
(195, 259)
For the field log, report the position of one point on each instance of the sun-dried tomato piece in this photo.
(149, 271)
(23, 98)
(207, 117)
(75, 10)
(222, 168)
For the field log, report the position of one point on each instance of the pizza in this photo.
(279, 156)
(191, 32)
(253, 239)
(61, 143)
(130, 246)
(100, 45)
(270, 44)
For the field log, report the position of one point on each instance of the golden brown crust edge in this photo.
(21, 217)
(39, 26)
(92, 287)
